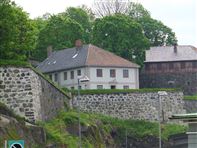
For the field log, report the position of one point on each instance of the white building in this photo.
(104, 69)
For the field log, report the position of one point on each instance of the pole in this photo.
(126, 138)
(159, 112)
(79, 115)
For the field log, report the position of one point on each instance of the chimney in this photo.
(49, 50)
(78, 43)
(175, 48)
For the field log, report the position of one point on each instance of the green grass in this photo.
(101, 126)
(110, 91)
(194, 97)
(14, 63)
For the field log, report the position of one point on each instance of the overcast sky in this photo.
(180, 15)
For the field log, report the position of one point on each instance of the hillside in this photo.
(97, 131)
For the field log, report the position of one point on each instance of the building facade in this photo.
(104, 69)
(171, 67)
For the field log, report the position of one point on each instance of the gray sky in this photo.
(180, 15)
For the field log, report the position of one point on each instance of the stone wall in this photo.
(187, 81)
(132, 105)
(28, 94)
(190, 106)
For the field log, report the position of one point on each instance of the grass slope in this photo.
(100, 127)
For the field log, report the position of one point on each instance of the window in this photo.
(113, 86)
(56, 77)
(65, 75)
(50, 76)
(99, 73)
(182, 65)
(126, 87)
(72, 75)
(78, 72)
(125, 73)
(112, 73)
(99, 86)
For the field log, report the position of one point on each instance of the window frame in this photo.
(99, 72)
(72, 74)
(125, 75)
(79, 72)
(65, 75)
(112, 73)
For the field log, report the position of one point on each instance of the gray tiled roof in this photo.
(88, 55)
(166, 53)
(64, 59)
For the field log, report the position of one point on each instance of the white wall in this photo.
(132, 81)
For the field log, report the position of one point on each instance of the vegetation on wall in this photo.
(110, 91)
(194, 97)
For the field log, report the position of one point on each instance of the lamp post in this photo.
(160, 93)
(80, 79)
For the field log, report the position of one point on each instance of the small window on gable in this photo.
(56, 77)
(50, 76)
(79, 72)
(65, 76)
(72, 75)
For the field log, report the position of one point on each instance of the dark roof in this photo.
(87, 55)
(166, 53)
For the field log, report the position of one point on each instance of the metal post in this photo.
(159, 112)
(126, 138)
(79, 115)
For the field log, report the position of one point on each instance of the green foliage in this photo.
(60, 32)
(101, 126)
(122, 36)
(137, 11)
(14, 63)
(194, 97)
(157, 33)
(110, 91)
(17, 36)
(81, 16)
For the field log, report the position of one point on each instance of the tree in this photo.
(110, 7)
(122, 36)
(17, 36)
(137, 11)
(60, 32)
(157, 33)
(84, 17)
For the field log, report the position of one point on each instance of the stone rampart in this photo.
(29, 94)
(132, 105)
